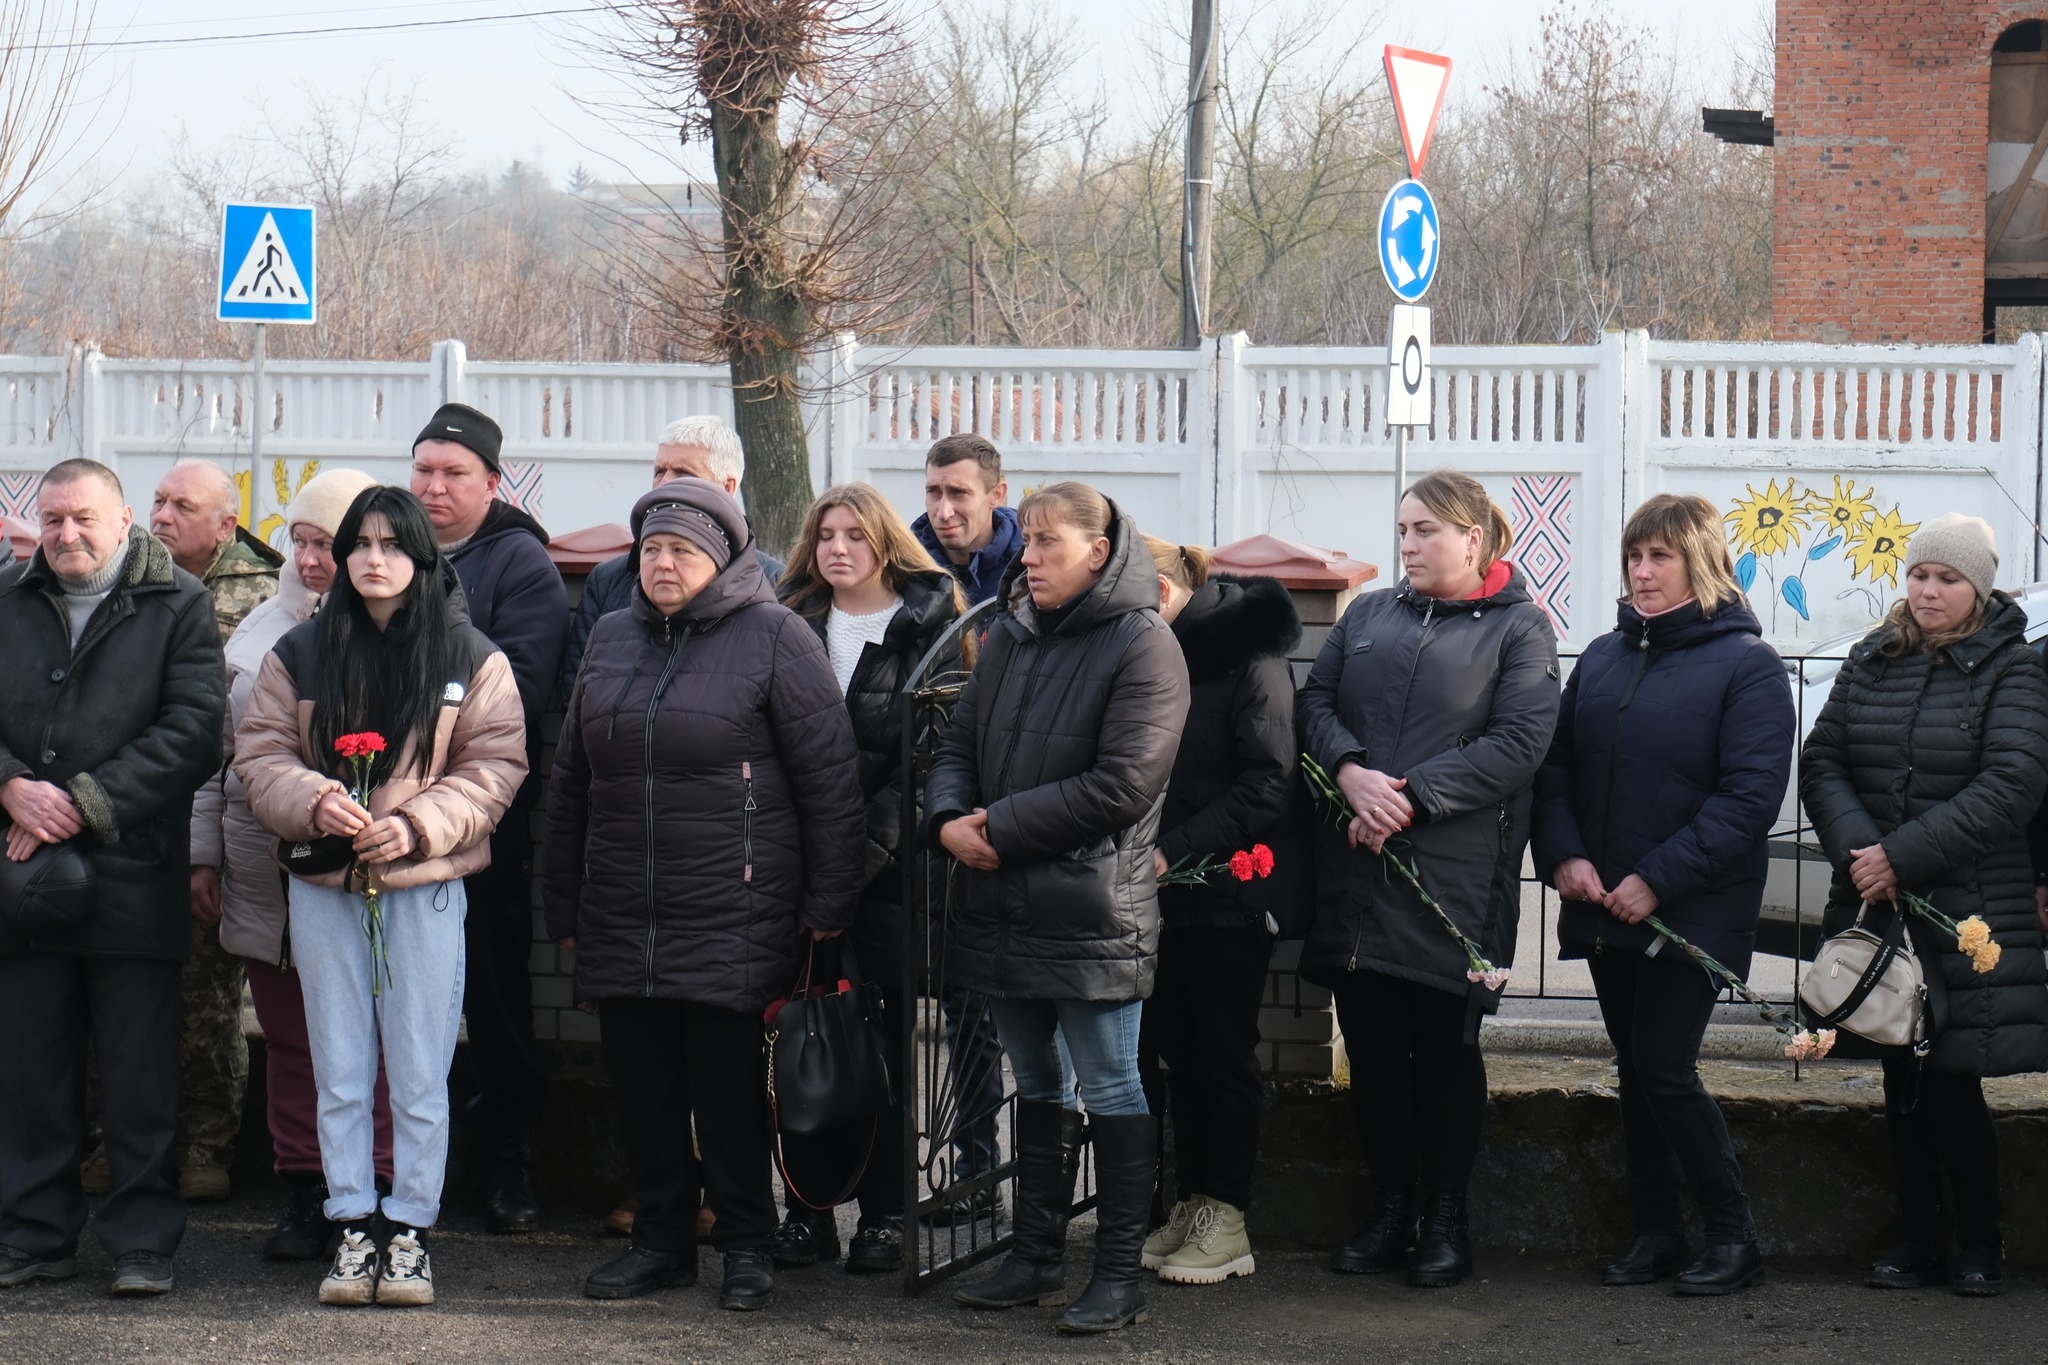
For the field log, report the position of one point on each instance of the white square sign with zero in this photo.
(1408, 366)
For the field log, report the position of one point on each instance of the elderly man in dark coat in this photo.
(111, 697)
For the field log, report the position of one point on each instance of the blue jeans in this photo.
(1101, 1036)
(415, 1019)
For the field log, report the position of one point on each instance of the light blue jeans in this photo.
(415, 1019)
(1101, 1037)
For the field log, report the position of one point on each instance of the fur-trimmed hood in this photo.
(1231, 621)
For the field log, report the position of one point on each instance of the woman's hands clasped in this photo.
(1871, 870)
(966, 838)
(1631, 902)
(377, 841)
(1382, 810)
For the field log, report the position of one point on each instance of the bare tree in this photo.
(44, 52)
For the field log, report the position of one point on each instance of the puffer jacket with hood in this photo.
(1943, 761)
(1459, 698)
(705, 808)
(225, 834)
(1067, 737)
(479, 755)
(1233, 778)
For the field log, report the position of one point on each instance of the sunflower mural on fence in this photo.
(285, 487)
(1783, 534)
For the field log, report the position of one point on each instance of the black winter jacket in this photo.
(705, 806)
(874, 704)
(609, 588)
(1233, 778)
(1944, 762)
(1067, 738)
(1673, 748)
(517, 600)
(129, 723)
(1460, 698)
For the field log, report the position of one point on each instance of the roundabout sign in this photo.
(1409, 235)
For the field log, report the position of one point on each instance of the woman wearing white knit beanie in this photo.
(229, 847)
(1921, 777)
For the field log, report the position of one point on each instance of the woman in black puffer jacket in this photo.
(1921, 775)
(1233, 782)
(704, 820)
(1047, 789)
(1673, 749)
(1431, 706)
(880, 604)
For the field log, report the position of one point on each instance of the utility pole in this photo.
(1199, 196)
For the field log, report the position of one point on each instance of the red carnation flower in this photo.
(373, 743)
(1262, 860)
(1241, 865)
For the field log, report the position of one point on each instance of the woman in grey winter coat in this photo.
(1431, 705)
(1921, 775)
(1048, 790)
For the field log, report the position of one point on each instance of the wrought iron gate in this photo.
(959, 1147)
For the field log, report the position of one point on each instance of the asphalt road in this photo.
(519, 1300)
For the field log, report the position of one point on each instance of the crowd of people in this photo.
(318, 773)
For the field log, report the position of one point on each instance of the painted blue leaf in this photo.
(1795, 595)
(1745, 570)
(1821, 550)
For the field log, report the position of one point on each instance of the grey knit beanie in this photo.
(1965, 544)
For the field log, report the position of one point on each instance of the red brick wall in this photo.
(1882, 123)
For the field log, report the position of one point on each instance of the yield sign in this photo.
(1417, 80)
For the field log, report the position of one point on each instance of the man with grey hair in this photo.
(704, 448)
(115, 694)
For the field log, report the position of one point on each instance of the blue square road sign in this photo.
(266, 263)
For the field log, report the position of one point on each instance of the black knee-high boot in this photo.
(1048, 1158)
(1126, 1167)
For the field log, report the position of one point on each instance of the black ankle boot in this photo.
(641, 1270)
(302, 1232)
(1383, 1243)
(1649, 1258)
(1723, 1268)
(1048, 1158)
(1126, 1166)
(1979, 1270)
(1443, 1251)
(1915, 1262)
(806, 1237)
(510, 1206)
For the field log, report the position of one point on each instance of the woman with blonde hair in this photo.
(1431, 705)
(879, 603)
(1673, 748)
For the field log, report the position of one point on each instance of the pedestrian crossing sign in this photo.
(266, 263)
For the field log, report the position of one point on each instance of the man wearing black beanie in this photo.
(516, 597)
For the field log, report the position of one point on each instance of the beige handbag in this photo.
(1869, 984)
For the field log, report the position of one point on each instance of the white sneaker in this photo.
(353, 1280)
(1166, 1240)
(408, 1280)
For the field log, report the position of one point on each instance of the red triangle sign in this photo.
(1418, 81)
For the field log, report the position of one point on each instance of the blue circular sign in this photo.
(1409, 240)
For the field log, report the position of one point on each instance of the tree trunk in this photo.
(766, 320)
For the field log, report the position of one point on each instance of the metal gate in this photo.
(959, 1112)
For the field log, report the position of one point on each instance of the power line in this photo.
(215, 39)
(215, 20)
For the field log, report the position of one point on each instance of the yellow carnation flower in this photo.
(1985, 958)
(1972, 934)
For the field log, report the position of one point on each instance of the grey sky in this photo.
(503, 91)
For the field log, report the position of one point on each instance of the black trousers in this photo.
(670, 1060)
(1938, 1121)
(880, 1190)
(497, 993)
(1657, 1010)
(1418, 1089)
(49, 1004)
(1203, 1022)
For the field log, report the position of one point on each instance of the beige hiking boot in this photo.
(95, 1174)
(1169, 1239)
(201, 1181)
(1216, 1248)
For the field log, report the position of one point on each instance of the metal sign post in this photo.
(1409, 236)
(266, 276)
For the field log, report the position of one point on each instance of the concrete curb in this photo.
(1588, 1038)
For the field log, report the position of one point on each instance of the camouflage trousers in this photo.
(213, 1056)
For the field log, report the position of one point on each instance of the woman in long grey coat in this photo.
(1432, 706)
(1921, 775)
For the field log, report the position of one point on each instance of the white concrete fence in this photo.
(1824, 458)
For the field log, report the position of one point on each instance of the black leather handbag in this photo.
(828, 1073)
(54, 890)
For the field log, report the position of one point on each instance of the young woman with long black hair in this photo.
(393, 653)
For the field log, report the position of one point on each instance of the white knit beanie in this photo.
(1965, 544)
(324, 499)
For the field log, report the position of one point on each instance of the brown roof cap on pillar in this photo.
(1294, 564)
(581, 551)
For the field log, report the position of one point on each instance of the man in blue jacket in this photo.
(516, 597)
(965, 524)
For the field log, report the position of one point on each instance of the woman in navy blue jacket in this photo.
(1670, 761)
